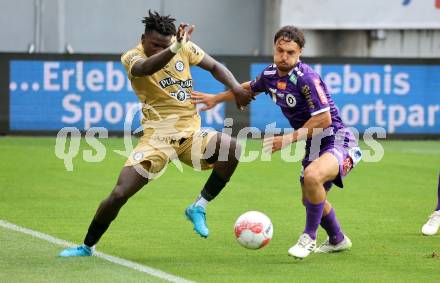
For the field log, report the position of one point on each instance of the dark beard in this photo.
(284, 69)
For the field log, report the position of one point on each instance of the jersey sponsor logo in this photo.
(268, 73)
(290, 100)
(172, 81)
(180, 95)
(305, 90)
(281, 85)
(347, 165)
(298, 71)
(195, 50)
(179, 66)
(320, 91)
(293, 79)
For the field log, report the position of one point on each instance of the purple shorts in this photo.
(347, 153)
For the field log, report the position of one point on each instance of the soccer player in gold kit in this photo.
(159, 71)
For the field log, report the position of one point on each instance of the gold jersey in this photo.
(166, 95)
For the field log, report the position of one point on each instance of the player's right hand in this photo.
(242, 97)
(198, 97)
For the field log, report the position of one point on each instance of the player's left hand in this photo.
(184, 32)
(275, 143)
(209, 100)
(182, 36)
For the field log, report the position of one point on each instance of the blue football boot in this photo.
(82, 250)
(197, 215)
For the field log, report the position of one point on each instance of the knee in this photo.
(118, 197)
(227, 149)
(312, 178)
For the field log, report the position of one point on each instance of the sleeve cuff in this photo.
(134, 61)
(320, 111)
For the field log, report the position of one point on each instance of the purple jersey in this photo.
(301, 94)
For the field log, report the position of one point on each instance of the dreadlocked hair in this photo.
(162, 24)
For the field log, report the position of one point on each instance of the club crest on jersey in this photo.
(180, 95)
(290, 100)
(179, 66)
(281, 85)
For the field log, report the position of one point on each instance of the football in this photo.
(253, 230)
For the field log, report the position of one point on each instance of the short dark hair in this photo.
(289, 33)
(162, 24)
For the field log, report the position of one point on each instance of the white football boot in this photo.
(432, 225)
(303, 247)
(327, 247)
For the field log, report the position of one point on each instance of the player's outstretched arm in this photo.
(242, 96)
(157, 61)
(211, 100)
(320, 121)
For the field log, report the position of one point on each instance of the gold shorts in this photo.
(154, 154)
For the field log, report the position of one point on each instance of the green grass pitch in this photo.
(381, 208)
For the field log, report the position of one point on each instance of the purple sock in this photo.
(438, 194)
(313, 217)
(331, 225)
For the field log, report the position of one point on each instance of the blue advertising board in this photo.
(50, 95)
(403, 99)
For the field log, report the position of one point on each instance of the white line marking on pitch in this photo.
(116, 260)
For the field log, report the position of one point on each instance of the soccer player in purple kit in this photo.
(331, 149)
(433, 224)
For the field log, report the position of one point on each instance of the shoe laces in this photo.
(84, 248)
(434, 219)
(304, 241)
(326, 243)
(199, 211)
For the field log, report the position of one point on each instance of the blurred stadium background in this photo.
(59, 66)
(379, 59)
